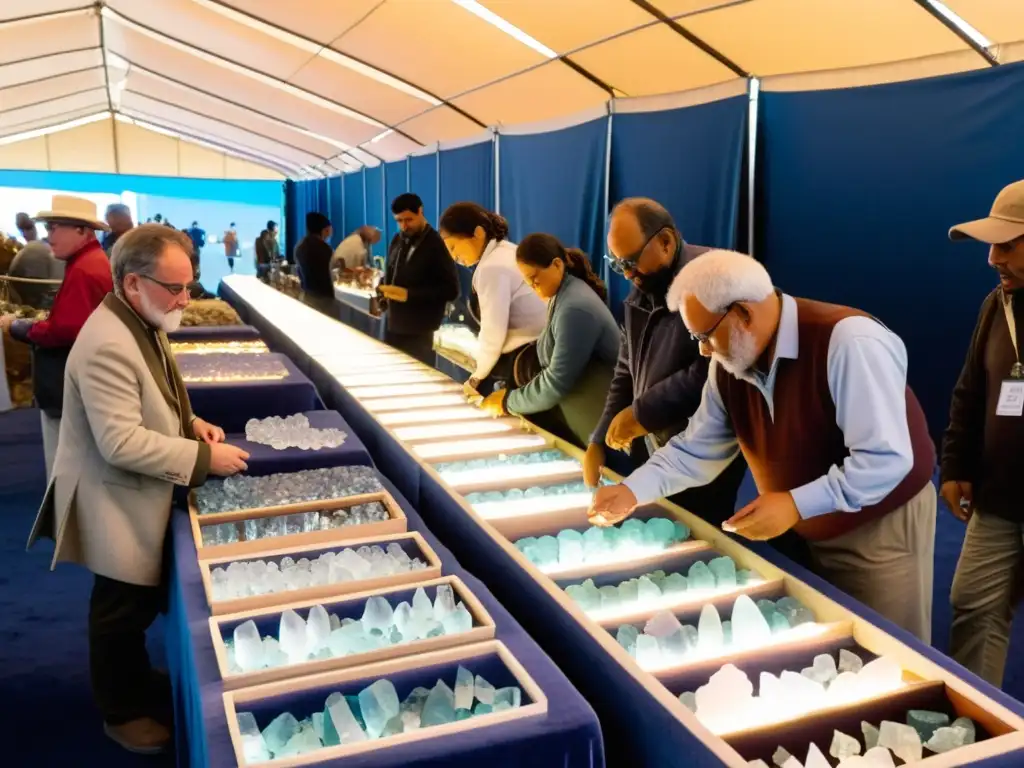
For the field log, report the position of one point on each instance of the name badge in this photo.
(1011, 398)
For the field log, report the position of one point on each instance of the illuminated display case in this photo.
(457, 343)
(924, 684)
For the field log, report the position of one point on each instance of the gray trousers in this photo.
(984, 594)
(887, 564)
(51, 432)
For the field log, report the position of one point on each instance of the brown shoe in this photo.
(143, 736)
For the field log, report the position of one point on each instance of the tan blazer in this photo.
(125, 440)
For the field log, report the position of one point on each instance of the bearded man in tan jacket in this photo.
(127, 437)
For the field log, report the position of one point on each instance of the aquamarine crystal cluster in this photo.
(245, 578)
(375, 713)
(297, 522)
(227, 367)
(535, 457)
(599, 545)
(534, 492)
(292, 432)
(244, 492)
(323, 636)
(657, 586)
(665, 640)
(923, 730)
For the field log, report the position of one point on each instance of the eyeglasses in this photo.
(175, 289)
(705, 337)
(625, 265)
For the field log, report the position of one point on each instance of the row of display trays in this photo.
(475, 457)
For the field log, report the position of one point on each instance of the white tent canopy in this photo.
(266, 88)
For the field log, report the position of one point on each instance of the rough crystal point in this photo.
(749, 627)
(253, 746)
(967, 725)
(378, 704)
(689, 700)
(647, 590)
(318, 629)
(757, 764)
(458, 621)
(660, 532)
(439, 707)
(881, 675)
(945, 739)
(662, 624)
(674, 584)
(843, 746)
(870, 735)
(248, 647)
(464, 688)
(280, 731)
(700, 577)
(926, 722)
(403, 618)
(422, 608)
(780, 757)
(483, 691)
(815, 759)
(377, 614)
(903, 740)
(710, 636)
(724, 571)
(340, 722)
(627, 635)
(444, 602)
(292, 636)
(879, 757)
(507, 698)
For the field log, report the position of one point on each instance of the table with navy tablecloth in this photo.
(266, 460)
(568, 736)
(201, 333)
(229, 404)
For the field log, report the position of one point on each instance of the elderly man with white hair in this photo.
(815, 396)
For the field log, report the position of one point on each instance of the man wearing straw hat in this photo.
(71, 224)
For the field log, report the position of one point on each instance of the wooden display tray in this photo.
(550, 523)
(395, 524)
(535, 703)
(403, 389)
(458, 430)
(412, 540)
(481, 447)
(482, 486)
(448, 414)
(483, 630)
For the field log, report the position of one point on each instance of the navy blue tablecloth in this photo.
(215, 333)
(360, 320)
(450, 368)
(265, 460)
(567, 737)
(230, 404)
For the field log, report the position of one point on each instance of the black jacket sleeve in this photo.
(444, 283)
(620, 392)
(962, 443)
(675, 398)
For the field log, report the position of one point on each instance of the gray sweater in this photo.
(580, 328)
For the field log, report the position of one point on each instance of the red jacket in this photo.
(87, 280)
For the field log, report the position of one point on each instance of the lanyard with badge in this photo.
(1011, 393)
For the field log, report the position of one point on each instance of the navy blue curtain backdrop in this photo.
(293, 226)
(858, 189)
(688, 159)
(467, 173)
(396, 181)
(336, 208)
(302, 197)
(355, 209)
(554, 182)
(423, 175)
(375, 204)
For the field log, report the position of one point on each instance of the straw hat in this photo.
(76, 210)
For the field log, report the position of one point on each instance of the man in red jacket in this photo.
(71, 223)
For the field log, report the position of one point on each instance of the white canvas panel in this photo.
(198, 162)
(37, 68)
(235, 168)
(320, 20)
(393, 146)
(51, 88)
(145, 153)
(13, 9)
(440, 124)
(53, 111)
(88, 148)
(48, 35)
(27, 155)
(1001, 21)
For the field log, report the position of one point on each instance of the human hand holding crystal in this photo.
(959, 496)
(207, 432)
(494, 403)
(612, 504)
(227, 460)
(623, 429)
(394, 292)
(593, 461)
(767, 516)
(470, 391)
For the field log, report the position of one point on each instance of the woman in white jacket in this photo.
(511, 314)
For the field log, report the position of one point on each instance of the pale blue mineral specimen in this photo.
(378, 704)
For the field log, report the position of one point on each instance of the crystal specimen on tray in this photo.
(823, 669)
(377, 615)
(318, 629)
(849, 661)
(725, 695)
(458, 621)
(340, 723)
(303, 742)
(248, 646)
(547, 550)
(595, 544)
(648, 652)
(627, 636)
(881, 674)
(780, 757)
(843, 746)
(291, 635)
(248, 492)
(507, 698)
(464, 688)
(292, 432)
(710, 637)
(750, 629)
(925, 722)
(724, 571)
(967, 725)
(794, 611)
(815, 759)
(587, 595)
(647, 590)
(700, 577)
(439, 707)
(689, 700)
(902, 740)
(674, 584)
(280, 731)
(254, 748)
(378, 703)
(444, 602)
(480, 708)
(878, 757)
(483, 691)
(870, 734)
(945, 739)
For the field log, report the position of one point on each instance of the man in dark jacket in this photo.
(660, 373)
(419, 282)
(313, 255)
(981, 452)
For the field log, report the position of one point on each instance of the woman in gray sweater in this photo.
(576, 353)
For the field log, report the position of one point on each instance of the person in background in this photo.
(128, 437)
(72, 225)
(231, 246)
(575, 354)
(815, 396)
(198, 237)
(35, 261)
(511, 315)
(660, 372)
(354, 251)
(119, 219)
(267, 250)
(982, 449)
(419, 281)
(313, 255)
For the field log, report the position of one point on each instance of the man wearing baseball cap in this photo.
(982, 449)
(71, 224)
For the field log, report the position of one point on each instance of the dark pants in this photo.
(123, 682)
(418, 345)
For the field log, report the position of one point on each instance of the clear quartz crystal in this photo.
(246, 492)
(780, 757)
(342, 720)
(815, 758)
(464, 688)
(870, 734)
(710, 636)
(902, 740)
(318, 629)
(292, 636)
(253, 746)
(750, 629)
(849, 661)
(879, 757)
(843, 746)
(292, 432)
(248, 647)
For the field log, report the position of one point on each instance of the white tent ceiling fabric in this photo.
(314, 87)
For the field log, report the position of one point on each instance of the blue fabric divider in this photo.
(335, 210)
(396, 181)
(568, 736)
(467, 174)
(293, 215)
(423, 176)
(355, 204)
(375, 216)
(554, 182)
(688, 159)
(859, 187)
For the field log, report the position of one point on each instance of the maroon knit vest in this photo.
(803, 440)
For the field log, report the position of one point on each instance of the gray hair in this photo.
(651, 216)
(718, 279)
(138, 250)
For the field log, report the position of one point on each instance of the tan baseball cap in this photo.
(1004, 223)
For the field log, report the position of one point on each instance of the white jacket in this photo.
(511, 314)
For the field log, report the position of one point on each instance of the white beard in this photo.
(168, 322)
(742, 353)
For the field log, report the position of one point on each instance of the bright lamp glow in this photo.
(693, 598)
(403, 390)
(479, 447)
(462, 429)
(542, 505)
(67, 126)
(509, 29)
(409, 403)
(398, 377)
(511, 474)
(432, 416)
(637, 555)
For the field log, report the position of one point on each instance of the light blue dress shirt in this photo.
(867, 376)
